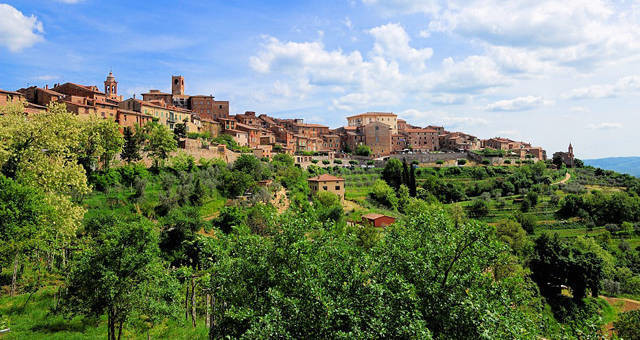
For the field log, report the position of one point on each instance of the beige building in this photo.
(328, 183)
(371, 117)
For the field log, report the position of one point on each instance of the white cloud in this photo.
(348, 23)
(424, 34)
(579, 109)
(538, 33)
(518, 104)
(46, 77)
(604, 126)
(392, 42)
(18, 31)
(441, 118)
(624, 85)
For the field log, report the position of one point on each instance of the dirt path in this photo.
(567, 177)
(623, 305)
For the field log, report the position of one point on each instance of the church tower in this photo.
(570, 155)
(111, 86)
(177, 85)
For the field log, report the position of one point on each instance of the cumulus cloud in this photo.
(392, 42)
(18, 31)
(624, 85)
(604, 126)
(518, 104)
(441, 118)
(536, 33)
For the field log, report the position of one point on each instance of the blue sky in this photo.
(544, 71)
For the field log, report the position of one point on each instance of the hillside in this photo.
(627, 165)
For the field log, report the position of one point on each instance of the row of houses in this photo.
(383, 132)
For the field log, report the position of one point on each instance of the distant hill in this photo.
(627, 165)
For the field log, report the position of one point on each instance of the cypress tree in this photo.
(405, 172)
(412, 182)
(131, 149)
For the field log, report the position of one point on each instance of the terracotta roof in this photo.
(157, 93)
(421, 130)
(325, 178)
(11, 92)
(373, 216)
(374, 114)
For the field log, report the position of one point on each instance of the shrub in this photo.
(363, 150)
(440, 162)
(314, 161)
(337, 161)
(352, 162)
(462, 161)
(479, 208)
(384, 194)
(325, 162)
(628, 325)
(507, 161)
(370, 163)
(486, 162)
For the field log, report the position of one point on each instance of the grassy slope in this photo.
(35, 321)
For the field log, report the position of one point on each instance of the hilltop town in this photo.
(383, 133)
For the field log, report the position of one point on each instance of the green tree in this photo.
(382, 193)
(479, 208)
(22, 210)
(362, 150)
(412, 182)
(404, 199)
(230, 217)
(100, 142)
(511, 233)
(405, 172)
(392, 173)
(132, 146)
(113, 275)
(628, 325)
(160, 142)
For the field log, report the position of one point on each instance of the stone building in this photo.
(327, 183)
(370, 117)
(377, 136)
(567, 158)
(422, 139)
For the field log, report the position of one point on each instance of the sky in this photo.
(545, 71)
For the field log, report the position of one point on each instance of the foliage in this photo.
(392, 173)
(382, 193)
(479, 208)
(363, 150)
(628, 325)
(160, 142)
(132, 145)
(229, 218)
(113, 275)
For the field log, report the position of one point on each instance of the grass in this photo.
(35, 320)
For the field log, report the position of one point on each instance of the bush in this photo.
(325, 162)
(352, 162)
(440, 162)
(370, 163)
(486, 162)
(507, 161)
(462, 161)
(384, 194)
(337, 161)
(479, 208)
(363, 150)
(628, 325)
(314, 161)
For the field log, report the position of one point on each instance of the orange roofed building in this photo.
(327, 183)
(377, 220)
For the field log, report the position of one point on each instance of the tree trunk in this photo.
(193, 301)
(186, 304)
(207, 319)
(14, 278)
(111, 329)
(119, 330)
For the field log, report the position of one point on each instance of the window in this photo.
(337, 187)
(324, 187)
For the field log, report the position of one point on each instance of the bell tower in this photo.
(111, 86)
(570, 155)
(177, 85)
